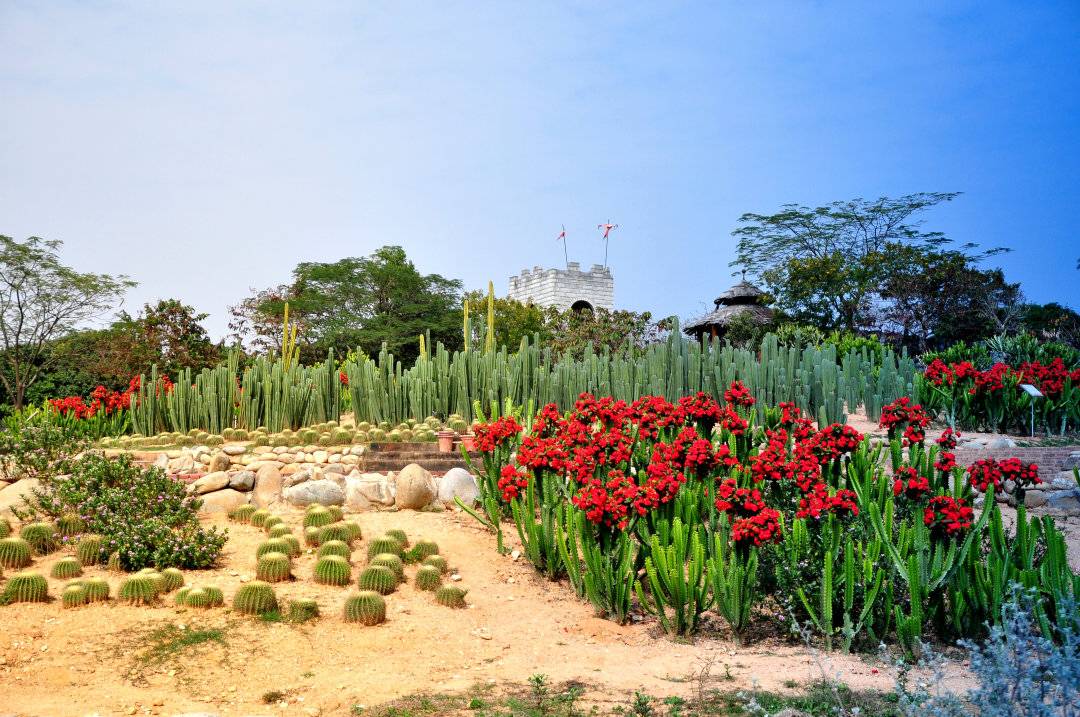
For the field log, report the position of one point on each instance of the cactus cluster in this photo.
(41, 536)
(451, 596)
(274, 545)
(255, 598)
(332, 570)
(73, 596)
(378, 578)
(88, 549)
(335, 531)
(242, 513)
(200, 597)
(365, 607)
(66, 568)
(14, 553)
(334, 547)
(389, 560)
(303, 609)
(428, 578)
(273, 567)
(438, 562)
(139, 589)
(385, 544)
(26, 587)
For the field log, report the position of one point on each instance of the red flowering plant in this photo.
(496, 440)
(105, 414)
(910, 418)
(1008, 474)
(911, 486)
(947, 517)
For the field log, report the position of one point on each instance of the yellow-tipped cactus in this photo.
(451, 596)
(243, 513)
(366, 607)
(437, 561)
(303, 609)
(273, 568)
(66, 568)
(335, 531)
(385, 544)
(14, 553)
(274, 545)
(317, 516)
(97, 589)
(334, 547)
(113, 563)
(70, 524)
(279, 531)
(88, 549)
(171, 579)
(258, 518)
(389, 560)
(399, 535)
(332, 570)
(378, 578)
(73, 596)
(255, 598)
(139, 589)
(311, 536)
(41, 536)
(428, 577)
(26, 587)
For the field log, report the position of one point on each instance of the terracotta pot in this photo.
(446, 441)
(469, 441)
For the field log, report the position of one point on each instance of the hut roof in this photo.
(724, 314)
(742, 293)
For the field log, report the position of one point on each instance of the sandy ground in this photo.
(90, 660)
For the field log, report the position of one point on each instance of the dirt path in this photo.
(77, 662)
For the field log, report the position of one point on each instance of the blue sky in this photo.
(205, 148)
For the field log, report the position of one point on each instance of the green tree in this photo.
(513, 320)
(572, 331)
(41, 300)
(823, 265)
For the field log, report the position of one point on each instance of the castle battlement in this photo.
(565, 288)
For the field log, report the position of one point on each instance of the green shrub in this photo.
(389, 560)
(384, 544)
(138, 590)
(242, 513)
(334, 547)
(97, 589)
(437, 561)
(378, 578)
(451, 596)
(335, 531)
(274, 545)
(41, 536)
(255, 598)
(333, 570)
(428, 577)
(88, 549)
(73, 596)
(273, 567)
(14, 553)
(26, 587)
(303, 609)
(366, 608)
(317, 516)
(66, 568)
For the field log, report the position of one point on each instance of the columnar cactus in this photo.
(258, 518)
(242, 513)
(274, 545)
(334, 547)
(280, 530)
(437, 561)
(311, 536)
(400, 535)
(41, 536)
(365, 607)
(66, 568)
(389, 560)
(172, 578)
(255, 598)
(303, 609)
(428, 577)
(451, 596)
(14, 553)
(333, 570)
(88, 549)
(317, 516)
(273, 567)
(378, 578)
(97, 589)
(335, 531)
(70, 524)
(26, 587)
(384, 544)
(140, 589)
(73, 596)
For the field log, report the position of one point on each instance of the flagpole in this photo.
(566, 255)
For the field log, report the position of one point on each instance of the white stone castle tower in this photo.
(569, 288)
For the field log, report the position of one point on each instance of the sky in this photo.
(205, 148)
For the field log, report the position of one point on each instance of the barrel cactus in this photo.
(255, 598)
(389, 560)
(14, 553)
(422, 550)
(113, 564)
(258, 518)
(311, 536)
(66, 568)
(172, 578)
(429, 578)
(197, 597)
(217, 597)
(273, 567)
(5, 528)
(274, 545)
(271, 521)
(399, 535)
(88, 549)
(181, 596)
(334, 547)
(451, 596)
(335, 531)
(41, 536)
(141, 589)
(26, 587)
(437, 561)
(318, 516)
(303, 609)
(333, 570)
(97, 589)
(280, 530)
(378, 578)
(366, 607)
(242, 513)
(70, 524)
(384, 544)
(354, 529)
(73, 596)
(294, 545)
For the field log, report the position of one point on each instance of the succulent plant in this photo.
(258, 518)
(73, 596)
(354, 529)
(242, 513)
(172, 578)
(318, 516)
(399, 535)
(65, 568)
(273, 567)
(279, 530)
(181, 596)
(332, 570)
(384, 544)
(437, 561)
(5, 528)
(14, 553)
(255, 598)
(139, 589)
(336, 511)
(334, 547)
(378, 578)
(274, 545)
(197, 597)
(70, 524)
(217, 597)
(26, 587)
(451, 596)
(311, 536)
(365, 607)
(271, 521)
(97, 589)
(389, 560)
(335, 531)
(428, 577)
(88, 549)
(303, 609)
(294, 545)
(113, 563)
(422, 550)
(41, 536)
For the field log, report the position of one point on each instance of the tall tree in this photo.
(513, 320)
(41, 299)
(823, 265)
(572, 331)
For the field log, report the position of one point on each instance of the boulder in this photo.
(13, 495)
(162, 462)
(1063, 502)
(219, 462)
(257, 465)
(242, 480)
(267, 486)
(209, 483)
(1036, 499)
(1001, 442)
(222, 501)
(233, 450)
(1071, 461)
(366, 491)
(1064, 481)
(182, 464)
(414, 487)
(459, 483)
(324, 492)
(321, 456)
(301, 476)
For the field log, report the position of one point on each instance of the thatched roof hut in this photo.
(743, 299)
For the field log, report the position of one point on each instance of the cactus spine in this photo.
(274, 545)
(171, 579)
(335, 531)
(318, 516)
(243, 513)
(389, 560)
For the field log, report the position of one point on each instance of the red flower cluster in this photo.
(902, 412)
(945, 462)
(910, 484)
(738, 502)
(344, 378)
(948, 439)
(738, 395)
(1051, 378)
(762, 528)
(983, 473)
(490, 436)
(102, 402)
(1023, 475)
(512, 482)
(820, 501)
(947, 517)
(833, 441)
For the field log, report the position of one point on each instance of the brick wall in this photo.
(1049, 460)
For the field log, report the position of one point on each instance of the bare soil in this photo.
(96, 659)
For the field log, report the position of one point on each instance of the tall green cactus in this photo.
(675, 570)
